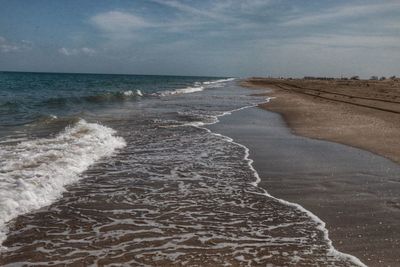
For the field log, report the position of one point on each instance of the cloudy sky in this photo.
(208, 37)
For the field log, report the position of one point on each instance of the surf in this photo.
(34, 173)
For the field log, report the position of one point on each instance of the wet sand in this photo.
(363, 114)
(354, 191)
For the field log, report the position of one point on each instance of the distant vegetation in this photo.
(354, 78)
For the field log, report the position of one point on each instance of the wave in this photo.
(198, 87)
(219, 81)
(65, 102)
(34, 173)
(320, 225)
(51, 124)
(186, 90)
(8, 107)
(57, 102)
(120, 95)
(9, 104)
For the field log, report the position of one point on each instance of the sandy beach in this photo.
(362, 113)
(354, 191)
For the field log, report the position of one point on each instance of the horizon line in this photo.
(121, 74)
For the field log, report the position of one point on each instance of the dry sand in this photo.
(363, 114)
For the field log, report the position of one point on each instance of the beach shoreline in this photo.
(360, 206)
(352, 191)
(339, 110)
(175, 194)
(212, 183)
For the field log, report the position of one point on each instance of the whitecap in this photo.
(34, 173)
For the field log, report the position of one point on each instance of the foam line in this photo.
(220, 81)
(34, 173)
(198, 87)
(320, 224)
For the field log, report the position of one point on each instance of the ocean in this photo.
(121, 170)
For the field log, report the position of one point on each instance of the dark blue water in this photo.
(27, 97)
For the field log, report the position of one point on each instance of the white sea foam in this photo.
(219, 81)
(186, 90)
(34, 173)
(189, 90)
(320, 224)
(198, 87)
(131, 93)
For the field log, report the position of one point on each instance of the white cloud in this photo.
(245, 6)
(353, 41)
(118, 24)
(64, 51)
(186, 8)
(123, 27)
(7, 46)
(77, 51)
(359, 42)
(88, 51)
(342, 12)
(126, 26)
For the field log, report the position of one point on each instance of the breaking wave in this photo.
(220, 81)
(34, 173)
(198, 87)
(120, 95)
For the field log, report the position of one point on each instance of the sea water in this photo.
(120, 170)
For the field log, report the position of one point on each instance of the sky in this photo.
(290, 38)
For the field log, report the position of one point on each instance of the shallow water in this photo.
(171, 193)
(357, 193)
